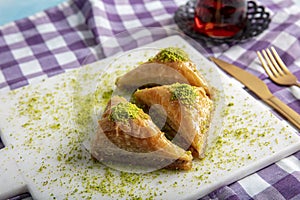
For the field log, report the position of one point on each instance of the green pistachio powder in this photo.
(122, 112)
(225, 154)
(171, 54)
(185, 93)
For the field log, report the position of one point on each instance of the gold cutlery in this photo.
(257, 86)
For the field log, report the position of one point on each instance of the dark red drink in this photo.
(220, 18)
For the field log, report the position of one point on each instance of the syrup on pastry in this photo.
(128, 136)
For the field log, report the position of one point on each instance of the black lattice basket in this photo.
(257, 21)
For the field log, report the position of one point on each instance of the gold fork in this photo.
(276, 69)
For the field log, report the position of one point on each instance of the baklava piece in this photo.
(188, 110)
(128, 136)
(170, 65)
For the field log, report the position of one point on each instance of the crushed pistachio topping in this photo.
(171, 54)
(185, 93)
(125, 111)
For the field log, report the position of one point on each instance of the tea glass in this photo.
(220, 18)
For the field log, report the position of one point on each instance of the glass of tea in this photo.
(220, 18)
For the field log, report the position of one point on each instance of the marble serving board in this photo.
(44, 126)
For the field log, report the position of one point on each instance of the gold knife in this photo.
(260, 89)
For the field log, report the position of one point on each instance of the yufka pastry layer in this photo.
(128, 136)
(170, 65)
(188, 110)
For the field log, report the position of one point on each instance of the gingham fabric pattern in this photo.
(61, 38)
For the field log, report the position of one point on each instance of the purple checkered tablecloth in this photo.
(58, 39)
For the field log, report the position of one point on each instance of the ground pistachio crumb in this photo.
(230, 104)
(107, 94)
(124, 111)
(171, 54)
(185, 93)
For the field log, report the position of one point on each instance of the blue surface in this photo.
(11, 10)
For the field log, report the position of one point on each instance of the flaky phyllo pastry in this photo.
(188, 111)
(166, 123)
(170, 65)
(127, 135)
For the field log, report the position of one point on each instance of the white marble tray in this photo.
(43, 127)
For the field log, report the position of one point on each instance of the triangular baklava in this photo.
(170, 65)
(128, 136)
(188, 111)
